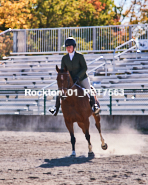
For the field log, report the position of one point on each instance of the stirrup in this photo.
(96, 109)
(52, 110)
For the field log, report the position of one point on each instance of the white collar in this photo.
(71, 55)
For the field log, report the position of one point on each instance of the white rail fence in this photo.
(89, 39)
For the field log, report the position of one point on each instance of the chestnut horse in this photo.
(76, 108)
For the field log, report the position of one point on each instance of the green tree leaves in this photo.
(56, 13)
(17, 14)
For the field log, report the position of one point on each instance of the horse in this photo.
(76, 108)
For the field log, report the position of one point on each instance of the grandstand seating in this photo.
(18, 73)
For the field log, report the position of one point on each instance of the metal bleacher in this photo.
(129, 72)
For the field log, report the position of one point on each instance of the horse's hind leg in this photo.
(97, 119)
(69, 126)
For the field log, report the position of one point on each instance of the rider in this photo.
(77, 67)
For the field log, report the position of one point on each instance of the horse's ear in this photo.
(65, 68)
(57, 69)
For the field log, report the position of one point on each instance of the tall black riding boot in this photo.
(94, 106)
(55, 110)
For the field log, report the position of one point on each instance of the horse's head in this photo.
(63, 79)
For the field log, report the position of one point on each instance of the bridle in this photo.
(61, 88)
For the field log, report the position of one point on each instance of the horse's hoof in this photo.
(104, 147)
(73, 154)
(91, 154)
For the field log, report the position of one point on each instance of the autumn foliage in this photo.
(136, 12)
(17, 14)
(23, 14)
(27, 14)
(6, 44)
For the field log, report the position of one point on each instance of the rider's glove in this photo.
(76, 79)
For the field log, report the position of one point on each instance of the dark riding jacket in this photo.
(76, 67)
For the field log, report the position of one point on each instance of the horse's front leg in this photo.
(90, 152)
(69, 126)
(97, 119)
(85, 128)
(73, 141)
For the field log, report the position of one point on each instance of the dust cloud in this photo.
(124, 141)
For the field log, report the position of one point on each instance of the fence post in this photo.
(59, 39)
(38, 106)
(94, 38)
(14, 41)
(130, 36)
(110, 104)
(25, 40)
(44, 104)
(105, 68)
(19, 41)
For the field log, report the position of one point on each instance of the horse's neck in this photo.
(77, 91)
(71, 81)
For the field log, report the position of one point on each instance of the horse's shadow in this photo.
(65, 161)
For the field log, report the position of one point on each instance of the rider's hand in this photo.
(76, 79)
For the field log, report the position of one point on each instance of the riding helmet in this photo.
(70, 41)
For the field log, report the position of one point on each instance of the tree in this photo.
(17, 14)
(97, 13)
(109, 14)
(56, 13)
(6, 44)
(137, 12)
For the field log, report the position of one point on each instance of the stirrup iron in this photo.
(52, 110)
(96, 109)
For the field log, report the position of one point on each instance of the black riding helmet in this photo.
(70, 41)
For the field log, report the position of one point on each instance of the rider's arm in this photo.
(62, 64)
(83, 67)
